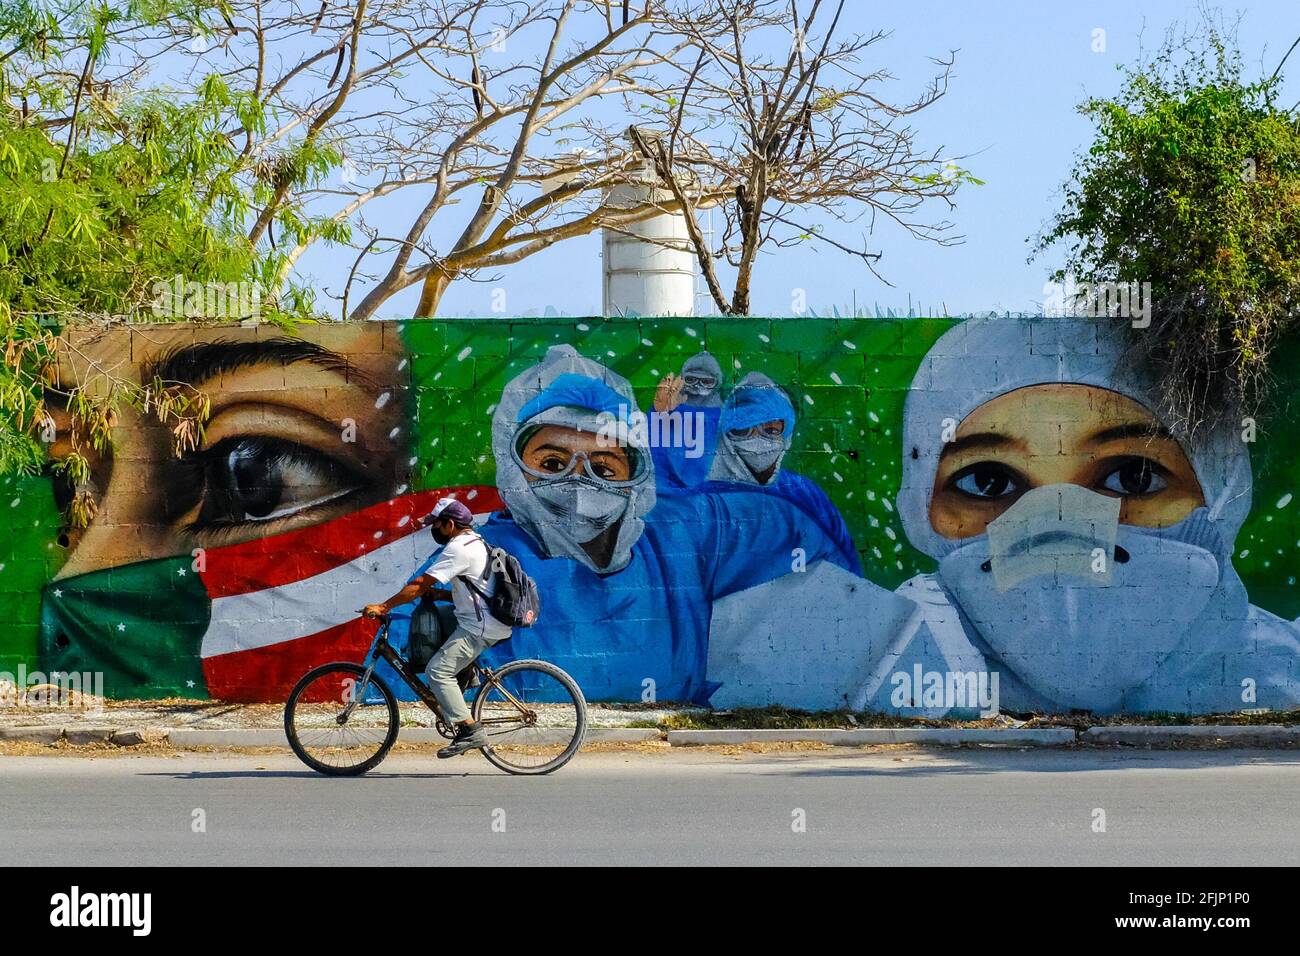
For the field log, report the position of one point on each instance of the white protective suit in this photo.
(1166, 625)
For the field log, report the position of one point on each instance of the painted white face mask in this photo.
(581, 507)
(1082, 609)
(758, 452)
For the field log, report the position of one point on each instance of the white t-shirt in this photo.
(467, 554)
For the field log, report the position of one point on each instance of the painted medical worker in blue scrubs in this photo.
(755, 432)
(627, 579)
(687, 404)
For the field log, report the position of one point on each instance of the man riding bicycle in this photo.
(465, 558)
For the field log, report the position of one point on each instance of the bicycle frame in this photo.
(380, 649)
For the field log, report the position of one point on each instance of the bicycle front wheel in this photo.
(339, 722)
(535, 717)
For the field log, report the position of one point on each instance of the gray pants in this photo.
(457, 653)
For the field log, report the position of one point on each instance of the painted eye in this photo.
(254, 478)
(1137, 476)
(553, 464)
(774, 429)
(986, 480)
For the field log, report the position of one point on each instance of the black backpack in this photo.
(431, 625)
(515, 601)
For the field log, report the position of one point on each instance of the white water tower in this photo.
(649, 266)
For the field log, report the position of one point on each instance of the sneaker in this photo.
(468, 737)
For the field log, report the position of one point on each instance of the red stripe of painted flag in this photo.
(269, 673)
(305, 552)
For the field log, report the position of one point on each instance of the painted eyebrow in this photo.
(981, 441)
(194, 364)
(568, 451)
(1132, 430)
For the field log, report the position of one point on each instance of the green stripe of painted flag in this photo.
(141, 625)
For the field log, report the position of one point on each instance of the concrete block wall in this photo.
(230, 570)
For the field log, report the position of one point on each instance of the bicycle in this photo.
(533, 711)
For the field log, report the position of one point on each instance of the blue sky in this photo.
(1022, 67)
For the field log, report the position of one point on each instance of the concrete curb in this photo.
(77, 736)
(1230, 735)
(939, 736)
(250, 737)
(32, 735)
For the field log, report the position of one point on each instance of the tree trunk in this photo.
(740, 300)
(434, 286)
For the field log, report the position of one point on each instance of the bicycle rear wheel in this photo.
(535, 717)
(330, 733)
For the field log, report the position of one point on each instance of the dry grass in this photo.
(22, 748)
(781, 718)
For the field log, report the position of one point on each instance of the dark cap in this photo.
(450, 508)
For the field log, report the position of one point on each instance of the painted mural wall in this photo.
(923, 517)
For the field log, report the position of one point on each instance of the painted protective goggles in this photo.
(579, 462)
(772, 429)
(704, 383)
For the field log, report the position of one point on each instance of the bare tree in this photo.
(447, 139)
(482, 121)
(441, 139)
(774, 112)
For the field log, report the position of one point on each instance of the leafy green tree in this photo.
(1192, 183)
(107, 193)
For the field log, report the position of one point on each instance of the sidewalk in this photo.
(200, 723)
(191, 723)
(180, 714)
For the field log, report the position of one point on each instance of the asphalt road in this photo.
(891, 807)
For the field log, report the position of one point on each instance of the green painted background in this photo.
(847, 377)
(29, 556)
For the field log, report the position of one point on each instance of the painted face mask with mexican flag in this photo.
(245, 621)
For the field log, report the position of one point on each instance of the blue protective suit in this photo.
(674, 471)
(808, 496)
(650, 620)
(754, 402)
